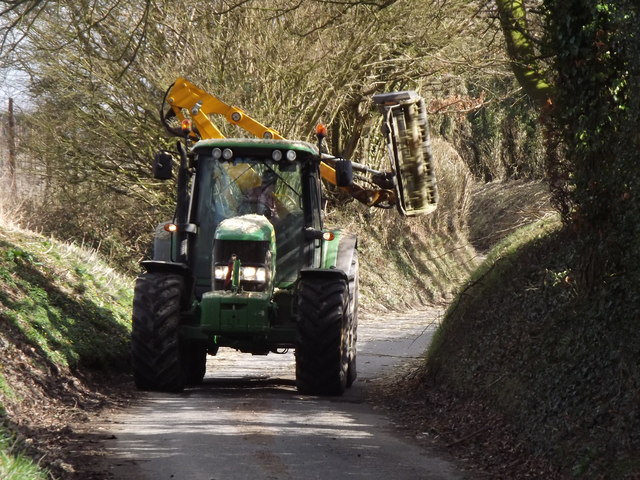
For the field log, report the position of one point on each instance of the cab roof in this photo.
(255, 143)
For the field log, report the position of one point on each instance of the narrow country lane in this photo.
(247, 421)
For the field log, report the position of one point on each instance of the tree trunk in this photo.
(521, 52)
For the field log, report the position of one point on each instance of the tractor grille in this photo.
(250, 254)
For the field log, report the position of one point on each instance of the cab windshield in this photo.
(255, 186)
(250, 185)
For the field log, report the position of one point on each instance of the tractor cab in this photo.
(255, 183)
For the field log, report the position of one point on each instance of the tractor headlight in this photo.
(248, 273)
(220, 272)
(253, 274)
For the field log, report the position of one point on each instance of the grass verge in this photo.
(64, 316)
(14, 465)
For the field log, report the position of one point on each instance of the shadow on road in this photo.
(230, 385)
(247, 420)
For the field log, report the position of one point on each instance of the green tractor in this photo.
(246, 262)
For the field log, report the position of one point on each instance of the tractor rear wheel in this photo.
(322, 359)
(155, 343)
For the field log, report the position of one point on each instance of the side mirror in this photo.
(162, 163)
(344, 173)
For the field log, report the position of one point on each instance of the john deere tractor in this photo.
(246, 262)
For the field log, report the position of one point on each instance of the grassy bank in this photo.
(558, 366)
(64, 315)
(14, 465)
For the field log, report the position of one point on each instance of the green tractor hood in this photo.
(254, 228)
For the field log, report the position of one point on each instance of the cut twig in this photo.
(467, 437)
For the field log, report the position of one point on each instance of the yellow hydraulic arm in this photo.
(184, 95)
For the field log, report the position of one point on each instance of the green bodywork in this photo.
(230, 312)
(240, 312)
(258, 317)
(330, 250)
(250, 228)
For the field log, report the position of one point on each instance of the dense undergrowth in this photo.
(63, 315)
(559, 365)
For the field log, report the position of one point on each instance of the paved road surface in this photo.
(246, 421)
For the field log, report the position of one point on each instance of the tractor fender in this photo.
(310, 273)
(339, 260)
(160, 266)
(163, 248)
(340, 253)
(176, 268)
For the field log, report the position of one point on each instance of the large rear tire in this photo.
(155, 342)
(322, 359)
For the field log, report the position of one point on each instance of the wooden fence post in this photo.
(11, 139)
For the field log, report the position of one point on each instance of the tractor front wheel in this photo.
(155, 344)
(322, 359)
